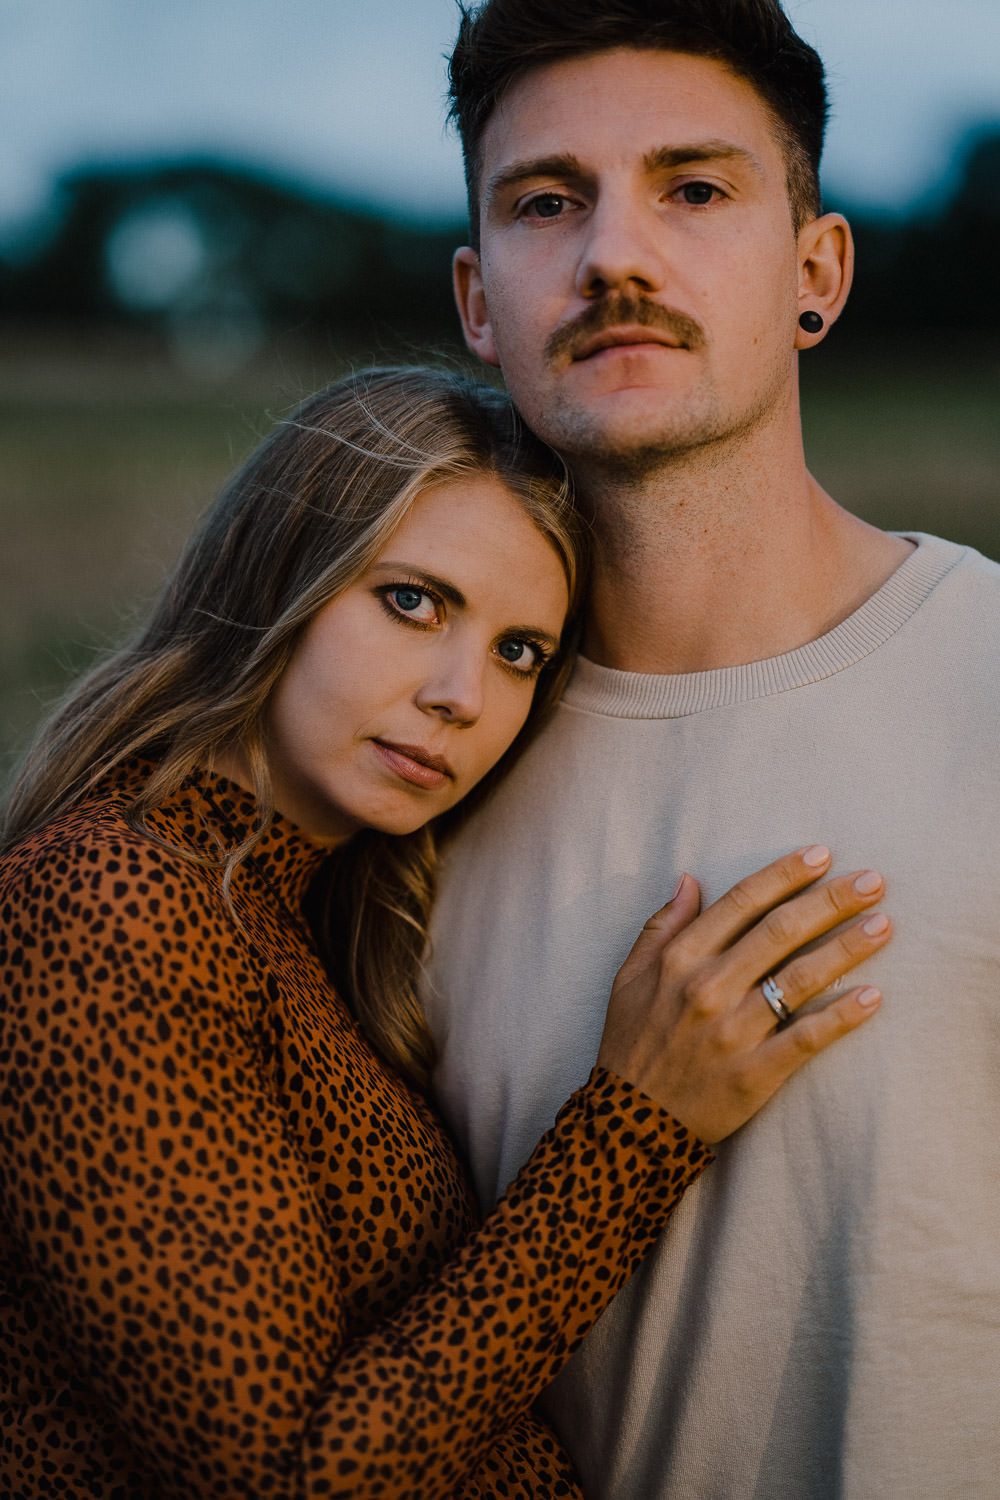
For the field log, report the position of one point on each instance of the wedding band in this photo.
(775, 997)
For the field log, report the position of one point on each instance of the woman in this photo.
(240, 1251)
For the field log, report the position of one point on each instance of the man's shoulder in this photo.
(957, 561)
(965, 592)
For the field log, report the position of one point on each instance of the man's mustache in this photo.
(617, 312)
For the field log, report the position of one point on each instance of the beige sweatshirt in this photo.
(822, 1318)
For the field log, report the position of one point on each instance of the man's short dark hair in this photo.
(500, 40)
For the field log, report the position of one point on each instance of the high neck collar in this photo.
(286, 857)
(209, 814)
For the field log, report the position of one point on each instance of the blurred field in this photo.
(910, 439)
(106, 458)
(107, 455)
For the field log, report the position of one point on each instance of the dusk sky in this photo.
(344, 96)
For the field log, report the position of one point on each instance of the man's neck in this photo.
(719, 559)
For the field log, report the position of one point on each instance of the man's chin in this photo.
(634, 426)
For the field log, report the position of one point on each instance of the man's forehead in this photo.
(634, 100)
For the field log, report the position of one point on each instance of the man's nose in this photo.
(624, 246)
(455, 689)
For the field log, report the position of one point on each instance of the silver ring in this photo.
(775, 997)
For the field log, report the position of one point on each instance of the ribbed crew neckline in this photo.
(640, 695)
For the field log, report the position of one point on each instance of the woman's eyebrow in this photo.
(533, 633)
(449, 592)
(441, 586)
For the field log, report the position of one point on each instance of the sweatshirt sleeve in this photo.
(161, 1206)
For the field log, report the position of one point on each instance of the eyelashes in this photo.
(402, 601)
(545, 207)
(411, 602)
(540, 657)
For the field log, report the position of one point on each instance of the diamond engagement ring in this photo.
(775, 997)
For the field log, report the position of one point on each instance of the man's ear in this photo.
(826, 269)
(467, 278)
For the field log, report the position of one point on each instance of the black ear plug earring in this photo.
(812, 322)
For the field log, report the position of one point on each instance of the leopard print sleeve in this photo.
(206, 1294)
(507, 1312)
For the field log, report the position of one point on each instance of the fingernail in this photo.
(869, 998)
(815, 856)
(868, 882)
(875, 925)
(676, 891)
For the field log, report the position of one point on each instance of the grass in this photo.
(107, 456)
(910, 440)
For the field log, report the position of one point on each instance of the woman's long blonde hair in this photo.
(304, 517)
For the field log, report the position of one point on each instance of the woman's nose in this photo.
(456, 689)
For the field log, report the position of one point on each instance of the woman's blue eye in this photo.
(408, 598)
(413, 604)
(520, 654)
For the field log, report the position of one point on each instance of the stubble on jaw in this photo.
(701, 438)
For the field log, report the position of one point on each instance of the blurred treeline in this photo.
(163, 314)
(216, 261)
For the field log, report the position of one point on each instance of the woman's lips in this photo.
(415, 765)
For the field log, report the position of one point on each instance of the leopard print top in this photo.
(240, 1254)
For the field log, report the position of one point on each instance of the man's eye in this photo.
(698, 192)
(547, 206)
(414, 603)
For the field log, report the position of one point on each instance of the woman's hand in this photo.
(688, 1022)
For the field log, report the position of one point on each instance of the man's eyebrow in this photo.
(567, 165)
(535, 166)
(701, 151)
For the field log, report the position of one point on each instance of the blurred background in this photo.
(210, 207)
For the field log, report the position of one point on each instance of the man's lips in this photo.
(614, 321)
(415, 764)
(622, 338)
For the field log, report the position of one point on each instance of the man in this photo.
(760, 670)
